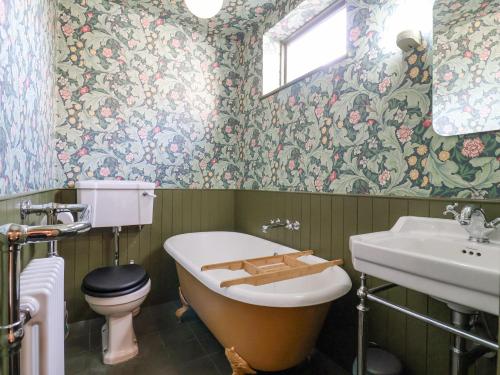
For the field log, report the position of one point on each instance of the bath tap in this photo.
(473, 219)
(277, 223)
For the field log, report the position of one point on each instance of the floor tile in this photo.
(199, 366)
(167, 347)
(210, 343)
(189, 350)
(76, 342)
(220, 361)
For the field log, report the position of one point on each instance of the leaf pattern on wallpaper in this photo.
(143, 98)
(362, 126)
(467, 66)
(27, 40)
(144, 93)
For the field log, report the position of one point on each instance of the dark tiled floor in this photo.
(166, 347)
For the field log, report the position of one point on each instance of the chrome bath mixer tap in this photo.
(277, 223)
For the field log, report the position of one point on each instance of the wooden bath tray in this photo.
(270, 269)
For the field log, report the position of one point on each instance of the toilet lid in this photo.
(114, 281)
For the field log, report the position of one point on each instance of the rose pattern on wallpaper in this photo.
(144, 93)
(361, 126)
(142, 97)
(466, 66)
(27, 38)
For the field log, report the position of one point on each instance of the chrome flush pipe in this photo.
(116, 241)
(12, 319)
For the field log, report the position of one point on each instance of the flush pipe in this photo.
(116, 239)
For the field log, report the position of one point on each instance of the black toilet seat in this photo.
(107, 282)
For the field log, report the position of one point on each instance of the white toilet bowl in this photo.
(117, 293)
(119, 343)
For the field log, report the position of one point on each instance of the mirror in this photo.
(466, 66)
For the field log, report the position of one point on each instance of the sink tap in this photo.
(473, 219)
(277, 223)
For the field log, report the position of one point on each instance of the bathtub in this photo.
(269, 327)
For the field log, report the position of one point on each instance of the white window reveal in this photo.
(319, 44)
(320, 40)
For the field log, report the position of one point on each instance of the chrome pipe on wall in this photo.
(10, 330)
(51, 211)
(12, 319)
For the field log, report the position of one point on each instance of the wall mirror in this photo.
(466, 66)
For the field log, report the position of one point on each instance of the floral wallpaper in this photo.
(148, 92)
(143, 97)
(26, 99)
(466, 66)
(362, 126)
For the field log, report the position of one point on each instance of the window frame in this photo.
(314, 21)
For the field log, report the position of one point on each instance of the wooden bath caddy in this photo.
(270, 269)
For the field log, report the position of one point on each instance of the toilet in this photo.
(117, 292)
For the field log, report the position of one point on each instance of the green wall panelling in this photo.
(327, 223)
(175, 211)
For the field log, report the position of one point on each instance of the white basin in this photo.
(435, 257)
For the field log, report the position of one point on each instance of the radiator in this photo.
(42, 292)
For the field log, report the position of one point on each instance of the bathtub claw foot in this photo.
(238, 364)
(185, 306)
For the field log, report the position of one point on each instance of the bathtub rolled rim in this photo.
(328, 285)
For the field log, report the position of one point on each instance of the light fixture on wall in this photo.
(409, 39)
(204, 8)
(406, 26)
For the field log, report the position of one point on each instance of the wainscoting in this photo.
(327, 222)
(175, 212)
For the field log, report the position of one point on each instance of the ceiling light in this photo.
(204, 8)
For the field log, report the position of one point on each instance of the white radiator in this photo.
(42, 291)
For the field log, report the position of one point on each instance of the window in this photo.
(290, 55)
(317, 44)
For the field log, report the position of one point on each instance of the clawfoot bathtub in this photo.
(269, 327)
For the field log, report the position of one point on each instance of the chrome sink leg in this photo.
(463, 356)
(362, 326)
(459, 348)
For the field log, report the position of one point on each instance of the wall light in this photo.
(408, 23)
(204, 8)
(409, 39)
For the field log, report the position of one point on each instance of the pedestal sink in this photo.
(435, 257)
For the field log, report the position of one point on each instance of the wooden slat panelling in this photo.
(175, 211)
(416, 331)
(327, 223)
(334, 218)
(315, 229)
(396, 322)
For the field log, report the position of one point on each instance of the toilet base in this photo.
(123, 344)
(119, 343)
